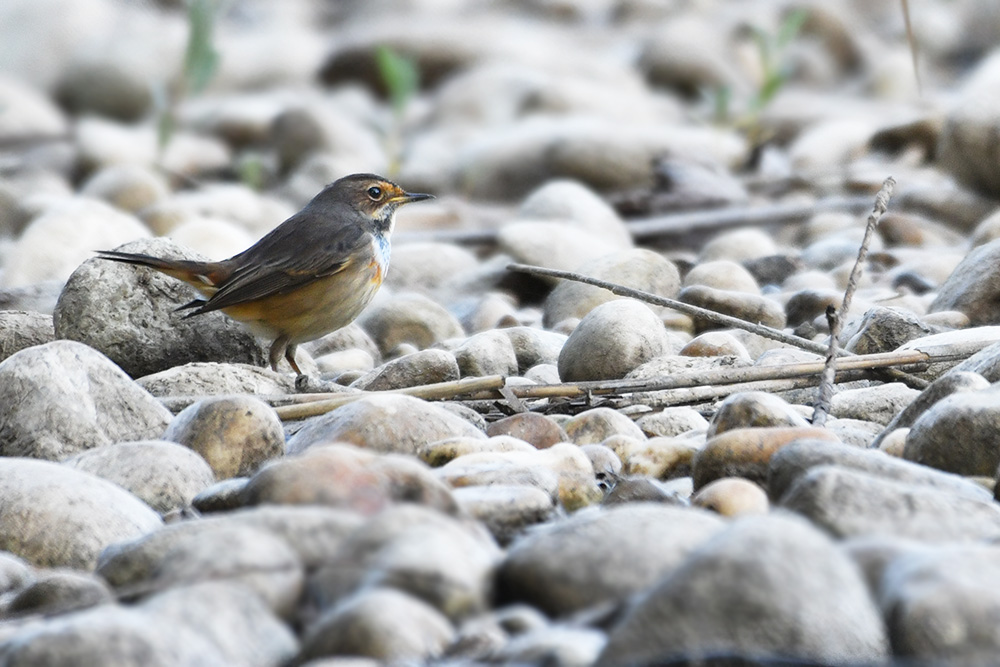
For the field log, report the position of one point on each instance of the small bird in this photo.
(312, 274)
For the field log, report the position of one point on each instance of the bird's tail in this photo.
(203, 276)
(190, 305)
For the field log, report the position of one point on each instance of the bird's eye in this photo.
(375, 192)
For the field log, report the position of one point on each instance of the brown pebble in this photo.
(597, 424)
(732, 496)
(746, 452)
(894, 443)
(349, 477)
(659, 458)
(235, 434)
(715, 344)
(638, 490)
(531, 427)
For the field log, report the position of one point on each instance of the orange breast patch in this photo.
(375, 267)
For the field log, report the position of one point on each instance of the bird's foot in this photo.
(306, 384)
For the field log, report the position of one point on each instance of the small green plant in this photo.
(401, 79)
(399, 76)
(771, 48)
(721, 99)
(201, 62)
(252, 170)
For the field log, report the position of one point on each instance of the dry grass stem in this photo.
(835, 317)
(710, 315)
(494, 388)
(674, 224)
(430, 392)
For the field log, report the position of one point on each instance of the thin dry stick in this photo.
(912, 39)
(680, 306)
(714, 376)
(298, 406)
(710, 315)
(702, 394)
(493, 387)
(836, 317)
(675, 223)
(725, 218)
(915, 359)
(824, 394)
(438, 391)
(881, 206)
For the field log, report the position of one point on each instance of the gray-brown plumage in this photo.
(311, 275)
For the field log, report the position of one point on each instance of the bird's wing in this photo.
(282, 262)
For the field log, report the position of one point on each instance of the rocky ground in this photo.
(165, 499)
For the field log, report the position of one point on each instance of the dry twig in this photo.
(693, 396)
(714, 376)
(674, 224)
(675, 389)
(712, 316)
(727, 218)
(824, 394)
(709, 315)
(912, 40)
(704, 383)
(438, 391)
(836, 317)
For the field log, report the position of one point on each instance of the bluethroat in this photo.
(311, 275)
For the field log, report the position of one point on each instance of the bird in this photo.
(312, 274)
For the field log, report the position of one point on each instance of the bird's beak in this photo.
(408, 197)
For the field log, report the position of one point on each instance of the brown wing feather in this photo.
(303, 249)
(260, 284)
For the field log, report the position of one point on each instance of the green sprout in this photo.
(201, 62)
(252, 171)
(401, 79)
(771, 49)
(399, 76)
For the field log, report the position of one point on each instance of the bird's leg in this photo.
(303, 383)
(290, 356)
(278, 348)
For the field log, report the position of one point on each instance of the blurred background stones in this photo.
(726, 153)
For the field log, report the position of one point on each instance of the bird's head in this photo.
(374, 197)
